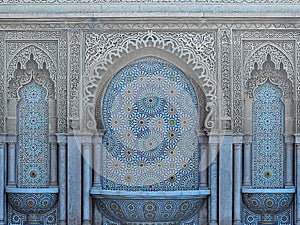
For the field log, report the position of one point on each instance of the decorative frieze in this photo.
(149, 2)
(225, 63)
(74, 79)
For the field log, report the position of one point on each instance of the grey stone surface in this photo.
(215, 43)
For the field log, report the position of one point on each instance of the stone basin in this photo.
(268, 202)
(32, 201)
(149, 206)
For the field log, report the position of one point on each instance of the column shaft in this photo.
(11, 163)
(62, 183)
(298, 184)
(2, 183)
(289, 168)
(213, 154)
(86, 183)
(247, 164)
(203, 166)
(237, 183)
(97, 164)
(53, 164)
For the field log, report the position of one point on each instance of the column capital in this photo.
(247, 138)
(237, 146)
(52, 139)
(238, 139)
(2, 138)
(289, 138)
(97, 137)
(61, 138)
(11, 138)
(213, 139)
(297, 138)
(86, 139)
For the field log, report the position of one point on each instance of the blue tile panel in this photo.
(33, 162)
(268, 139)
(150, 112)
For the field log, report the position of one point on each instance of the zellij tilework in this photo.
(150, 113)
(33, 129)
(268, 139)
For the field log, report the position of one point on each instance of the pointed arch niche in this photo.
(269, 126)
(151, 115)
(32, 160)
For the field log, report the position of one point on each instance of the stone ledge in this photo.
(179, 10)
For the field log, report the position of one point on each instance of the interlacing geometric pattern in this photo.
(268, 140)
(268, 208)
(33, 165)
(150, 209)
(150, 113)
(32, 203)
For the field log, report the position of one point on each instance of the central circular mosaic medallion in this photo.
(150, 112)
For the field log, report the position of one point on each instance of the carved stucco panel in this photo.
(74, 77)
(196, 49)
(44, 51)
(254, 46)
(123, 3)
(21, 55)
(2, 82)
(280, 52)
(225, 63)
(49, 47)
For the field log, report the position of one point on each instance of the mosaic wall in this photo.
(150, 209)
(268, 208)
(150, 112)
(33, 137)
(268, 140)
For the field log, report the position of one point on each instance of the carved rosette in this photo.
(102, 49)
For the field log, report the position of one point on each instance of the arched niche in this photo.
(91, 115)
(150, 110)
(22, 74)
(41, 56)
(176, 62)
(274, 68)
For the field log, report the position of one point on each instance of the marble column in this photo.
(213, 163)
(53, 161)
(87, 162)
(237, 159)
(62, 178)
(97, 151)
(289, 161)
(11, 161)
(247, 161)
(225, 179)
(74, 182)
(297, 179)
(2, 180)
(203, 165)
